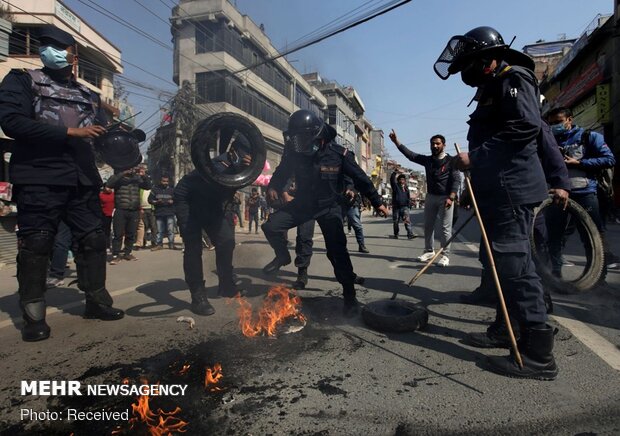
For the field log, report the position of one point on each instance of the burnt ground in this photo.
(327, 379)
(334, 377)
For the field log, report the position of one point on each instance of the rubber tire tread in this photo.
(416, 320)
(594, 271)
(202, 159)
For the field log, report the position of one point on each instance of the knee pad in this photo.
(38, 243)
(93, 241)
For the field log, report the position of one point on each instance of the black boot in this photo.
(359, 280)
(351, 305)
(35, 328)
(496, 336)
(200, 303)
(479, 297)
(31, 273)
(363, 249)
(90, 261)
(302, 279)
(230, 291)
(104, 312)
(535, 346)
(484, 295)
(274, 266)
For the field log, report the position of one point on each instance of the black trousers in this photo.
(303, 244)
(150, 224)
(330, 222)
(125, 224)
(222, 235)
(508, 229)
(107, 229)
(40, 210)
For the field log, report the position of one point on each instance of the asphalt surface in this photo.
(334, 377)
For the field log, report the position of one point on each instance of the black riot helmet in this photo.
(304, 131)
(480, 43)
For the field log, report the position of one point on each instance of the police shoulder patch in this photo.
(338, 149)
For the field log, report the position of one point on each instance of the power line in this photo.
(322, 38)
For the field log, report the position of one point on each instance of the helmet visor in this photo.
(446, 64)
(300, 142)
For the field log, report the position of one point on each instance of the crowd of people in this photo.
(62, 201)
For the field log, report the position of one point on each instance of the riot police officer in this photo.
(319, 166)
(201, 206)
(53, 120)
(509, 182)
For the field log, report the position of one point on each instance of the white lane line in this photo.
(52, 310)
(472, 247)
(600, 346)
(591, 339)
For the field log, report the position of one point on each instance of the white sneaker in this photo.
(426, 256)
(443, 261)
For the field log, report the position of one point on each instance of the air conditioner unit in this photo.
(212, 18)
(230, 25)
(246, 35)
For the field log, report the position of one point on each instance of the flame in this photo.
(158, 423)
(213, 376)
(184, 370)
(280, 304)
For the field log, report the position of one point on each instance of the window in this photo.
(23, 41)
(213, 87)
(214, 37)
(90, 73)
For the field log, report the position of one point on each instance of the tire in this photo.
(593, 272)
(227, 124)
(395, 316)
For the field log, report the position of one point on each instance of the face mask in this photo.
(475, 74)
(53, 58)
(558, 129)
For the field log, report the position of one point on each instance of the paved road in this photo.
(336, 376)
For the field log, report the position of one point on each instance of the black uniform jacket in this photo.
(195, 197)
(43, 154)
(320, 179)
(502, 140)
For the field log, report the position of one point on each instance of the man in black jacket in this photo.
(319, 166)
(53, 120)
(442, 183)
(509, 182)
(202, 206)
(161, 197)
(126, 185)
(401, 202)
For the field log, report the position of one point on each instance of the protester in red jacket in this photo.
(106, 198)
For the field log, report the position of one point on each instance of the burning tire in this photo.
(594, 270)
(394, 316)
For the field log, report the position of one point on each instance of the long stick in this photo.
(498, 286)
(441, 250)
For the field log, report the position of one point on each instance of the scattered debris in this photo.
(187, 319)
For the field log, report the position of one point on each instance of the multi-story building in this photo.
(344, 106)
(99, 60)
(226, 57)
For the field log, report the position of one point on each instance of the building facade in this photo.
(99, 61)
(225, 56)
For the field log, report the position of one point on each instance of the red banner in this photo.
(591, 77)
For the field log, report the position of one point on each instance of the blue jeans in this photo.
(166, 222)
(60, 253)
(401, 214)
(355, 221)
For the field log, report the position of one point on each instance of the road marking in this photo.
(600, 346)
(591, 339)
(52, 310)
(472, 247)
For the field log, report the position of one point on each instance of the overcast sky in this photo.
(388, 60)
